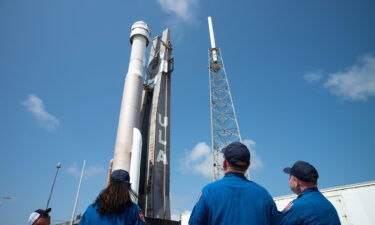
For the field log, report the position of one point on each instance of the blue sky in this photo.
(302, 76)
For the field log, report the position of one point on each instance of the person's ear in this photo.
(225, 164)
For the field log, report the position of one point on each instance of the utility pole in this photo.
(79, 187)
(58, 166)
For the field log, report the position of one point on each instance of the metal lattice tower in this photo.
(224, 126)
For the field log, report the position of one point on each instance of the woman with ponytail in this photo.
(114, 205)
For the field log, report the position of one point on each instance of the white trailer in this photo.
(354, 203)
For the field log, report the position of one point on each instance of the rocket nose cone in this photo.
(140, 28)
(141, 24)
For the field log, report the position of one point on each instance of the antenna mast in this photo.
(224, 126)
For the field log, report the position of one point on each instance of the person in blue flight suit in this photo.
(310, 207)
(114, 205)
(234, 199)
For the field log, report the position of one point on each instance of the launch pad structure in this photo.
(224, 125)
(143, 136)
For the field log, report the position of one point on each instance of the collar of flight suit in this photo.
(240, 175)
(313, 189)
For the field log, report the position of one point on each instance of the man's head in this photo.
(302, 176)
(40, 217)
(236, 158)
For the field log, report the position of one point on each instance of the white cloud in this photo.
(313, 76)
(256, 161)
(36, 107)
(356, 83)
(183, 10)
(199, 159)
(179, 204)
(90, 171)
(175, 215)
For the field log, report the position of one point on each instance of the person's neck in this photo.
(231, 170)
(304, 188)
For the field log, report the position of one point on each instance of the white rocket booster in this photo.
(131, 103)
(135, 165)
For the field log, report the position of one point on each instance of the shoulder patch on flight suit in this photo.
(288, 206)
(142, 215)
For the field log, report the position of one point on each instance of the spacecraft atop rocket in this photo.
(143, 136)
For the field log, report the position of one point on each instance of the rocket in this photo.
(128, 135)
(142, 143)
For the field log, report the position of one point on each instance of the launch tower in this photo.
(224, 126)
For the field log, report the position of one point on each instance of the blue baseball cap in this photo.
(237, 154)
(120, 176)
(303, 171)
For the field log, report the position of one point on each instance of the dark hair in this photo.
(114, 198)
(43, 213)
(313, 180)
(241, 166)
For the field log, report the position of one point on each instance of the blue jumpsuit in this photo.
(130, 216)
(234, 200)
(311, 207)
